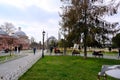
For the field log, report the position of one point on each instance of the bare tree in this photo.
(8, 27)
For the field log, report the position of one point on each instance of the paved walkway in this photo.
(12, 70)
(90, 55)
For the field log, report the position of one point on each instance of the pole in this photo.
(43, 44)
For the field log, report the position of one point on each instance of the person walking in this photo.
(51, 50)
(15, 49)
(109, 49)
(19, 49)
(34, 50)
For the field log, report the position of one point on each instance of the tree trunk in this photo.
(85, 32)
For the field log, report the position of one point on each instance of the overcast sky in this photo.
(34, 16)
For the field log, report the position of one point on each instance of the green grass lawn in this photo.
(8, 57)
(67, 68)
(2, 58)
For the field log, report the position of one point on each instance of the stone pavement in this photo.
(89, 55)
(104, 56)
(12, 70)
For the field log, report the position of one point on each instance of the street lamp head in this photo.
(43, 32)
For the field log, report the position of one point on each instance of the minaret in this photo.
(59, 36)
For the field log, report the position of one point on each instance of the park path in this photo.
(112, 56)
(105, 56)
(12, 70)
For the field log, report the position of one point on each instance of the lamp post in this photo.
(43, 33)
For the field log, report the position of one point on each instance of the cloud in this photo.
(32, 14)
(114, 18)
(48, 5)
(16, 3)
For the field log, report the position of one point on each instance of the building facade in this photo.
(17, 39)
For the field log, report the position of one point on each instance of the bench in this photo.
(75, 52)
(97, 53)
(57, 51)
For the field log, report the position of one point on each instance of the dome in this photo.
(20, 33)
(52, 38)
(3, 32)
